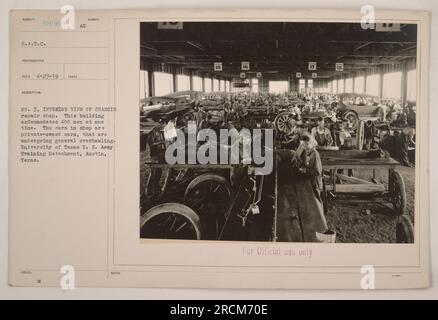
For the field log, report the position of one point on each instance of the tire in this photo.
(207, 179)
(204, 178)
(283, 122)
(211, 196)
(404, 230)
(350, 115)
(397, 193)
(155, 222)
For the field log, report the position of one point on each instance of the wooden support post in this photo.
(191, 80)
(364, 88)
(151, 83)
(353, 77)
(175, 81)
(203, 83)
(380, 83)
(404, 84)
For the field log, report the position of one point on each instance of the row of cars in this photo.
(171, 195)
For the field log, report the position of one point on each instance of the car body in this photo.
(360, 106)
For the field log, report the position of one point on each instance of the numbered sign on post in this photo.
(339, 66)
(245, 65)
(243, 75)
(312, 65)
(298, 75)
(314, 75)
(258, 74)
(218, 66)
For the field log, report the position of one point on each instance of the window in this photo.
(144, 84)
(215, 85)
(348, 85)
(278, 86)
(341, 86)
(163, 83)
(197, 83)
(183, 82)
(255, 85)
(372, 82)
(335, 86)
(302, 84)
(310, 83)
(392, 85)
(207, 84)
(358, 84)
(411, 94)
(227, 86)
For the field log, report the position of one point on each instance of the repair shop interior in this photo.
(330, 108)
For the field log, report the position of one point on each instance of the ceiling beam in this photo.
(241, 31)
(196, 45)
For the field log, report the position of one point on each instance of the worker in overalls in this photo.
(307, 170)
(404, 140)
(322, 134)
(369, 134)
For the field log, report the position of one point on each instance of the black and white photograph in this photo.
(169, 148)
(278, 131)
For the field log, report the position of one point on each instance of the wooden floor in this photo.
(299, 212)
(288, 218)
